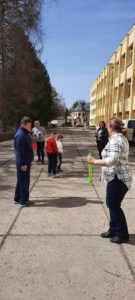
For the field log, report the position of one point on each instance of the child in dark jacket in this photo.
(52, 153)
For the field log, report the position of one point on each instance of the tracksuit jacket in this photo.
(23, 147)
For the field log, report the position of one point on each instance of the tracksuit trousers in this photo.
(116, 190)
(52, 163)
(22, 185)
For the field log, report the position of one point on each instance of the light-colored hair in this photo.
(116, 124)
(25, 120)
(36, 122)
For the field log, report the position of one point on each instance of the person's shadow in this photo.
(131, 239)
(64, 202)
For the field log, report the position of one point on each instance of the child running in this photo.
(52, 153)
(59, 143)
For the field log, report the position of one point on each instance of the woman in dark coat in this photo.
(101, 137)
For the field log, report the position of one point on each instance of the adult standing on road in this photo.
(24, 157)
(117, 175)
(39, 133)
(133, 136)
(101, 137)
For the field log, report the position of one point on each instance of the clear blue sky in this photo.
(80, 37)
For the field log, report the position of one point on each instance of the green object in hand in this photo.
(89, 181)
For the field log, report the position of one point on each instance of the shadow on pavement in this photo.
(132, 239)
(65, 202)
(6, 187)
(74, 174)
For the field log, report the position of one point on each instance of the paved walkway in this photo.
(53, 250)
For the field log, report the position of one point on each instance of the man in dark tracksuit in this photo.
(24, 157)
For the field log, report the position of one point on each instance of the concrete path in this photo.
(53, 250)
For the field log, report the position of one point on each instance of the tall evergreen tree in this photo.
(14, 15)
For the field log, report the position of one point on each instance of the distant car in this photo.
(93, 127)
(129, 124)
(78, 125)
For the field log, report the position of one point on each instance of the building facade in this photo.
(80, 114)
(113, 92)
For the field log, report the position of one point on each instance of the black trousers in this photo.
(52, 163)
(22, 185)
(116, 190)
(40, 150)
(100, 146)
(60, 161)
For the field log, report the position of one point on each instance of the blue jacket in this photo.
(23, 147)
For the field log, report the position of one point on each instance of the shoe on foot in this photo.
(55, 176)
(16, 202)
(119, 240)
(24, 204)
(106, 234)
(30, 202)
(39, 160)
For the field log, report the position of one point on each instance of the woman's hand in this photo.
(90, 159)
(24, 168)
(98, 162)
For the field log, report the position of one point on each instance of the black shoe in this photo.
(16, 202)
(55, 176)
(24, 204)
(106, 234)
(119, 240)
(30, 202)
(43, 162)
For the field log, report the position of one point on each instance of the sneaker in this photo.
(55, 176)
(119, 240)
(24, 205)
(30, 202)
(38, 161)
(16, 202)
(106, 234)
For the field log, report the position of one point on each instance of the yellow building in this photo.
(113, 92)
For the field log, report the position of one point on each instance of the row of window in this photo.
(121, 90)
(79, 115)
(119, 64)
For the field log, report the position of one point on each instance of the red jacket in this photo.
(51, 146)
